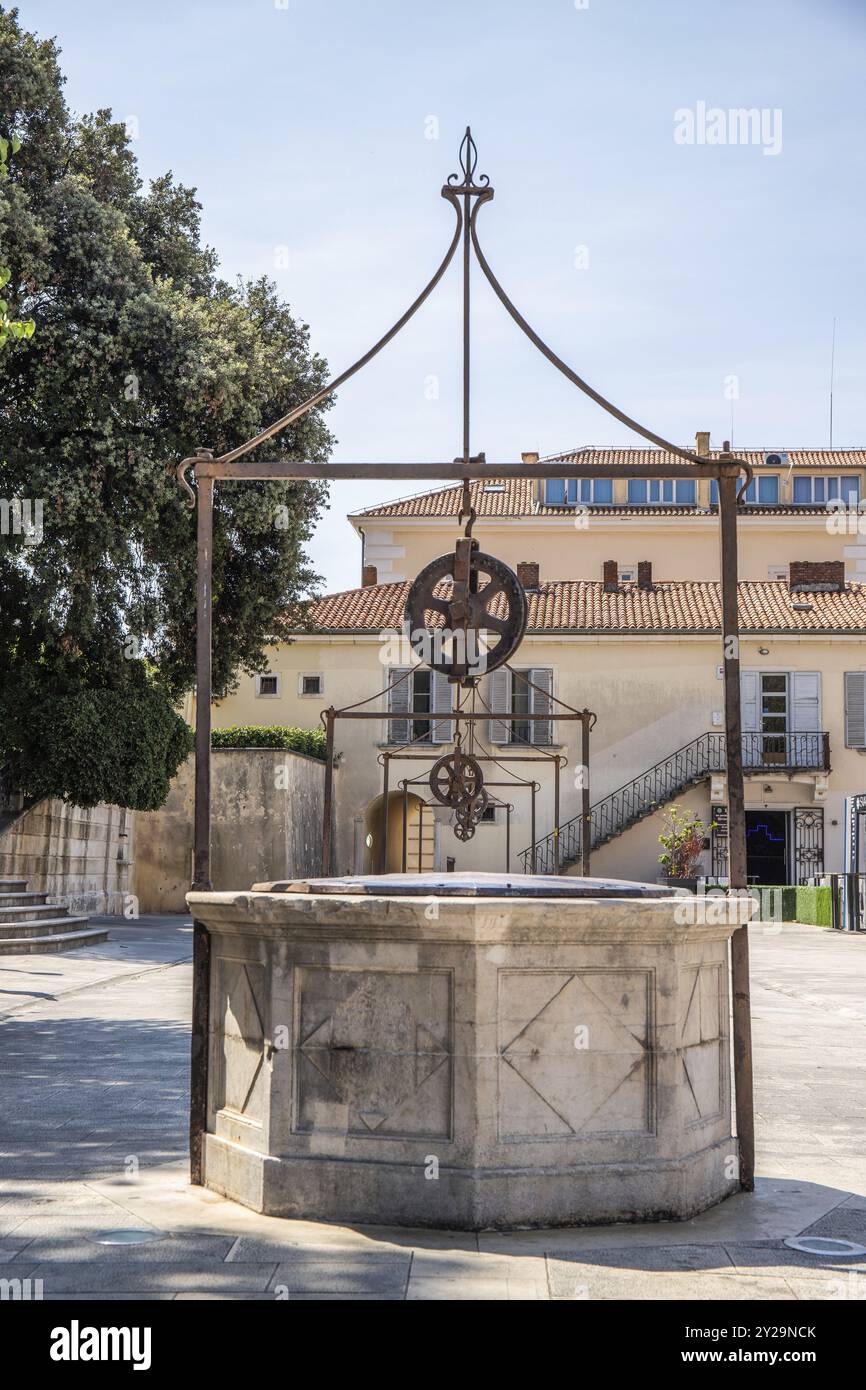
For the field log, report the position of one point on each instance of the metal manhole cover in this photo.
(824, 1245)
(130, 1237)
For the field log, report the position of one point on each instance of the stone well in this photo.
(468, 1051)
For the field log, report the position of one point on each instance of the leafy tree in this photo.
(142, 353)
(10, 328)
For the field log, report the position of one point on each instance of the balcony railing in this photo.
(787, 752)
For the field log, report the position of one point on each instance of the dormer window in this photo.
(658, 492)
(816, 491)
(569, 492)
(764, 491)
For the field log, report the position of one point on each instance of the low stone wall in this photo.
(266, 823)
(80, 858)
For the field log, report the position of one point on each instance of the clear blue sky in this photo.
(305, 127)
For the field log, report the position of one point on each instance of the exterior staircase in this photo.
(28, 922)
(668, 779)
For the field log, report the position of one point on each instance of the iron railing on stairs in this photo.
(669, 778)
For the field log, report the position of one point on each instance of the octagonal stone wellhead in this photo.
(470, 1050)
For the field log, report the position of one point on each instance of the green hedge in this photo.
(814, 906)
(309, 741)
(778, 903)
(811, 906)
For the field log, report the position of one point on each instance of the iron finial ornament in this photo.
(468, 156)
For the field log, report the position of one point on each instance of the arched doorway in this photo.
(421, 835)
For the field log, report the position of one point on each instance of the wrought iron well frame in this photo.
(466, 196)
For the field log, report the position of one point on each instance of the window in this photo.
(268, 686)
(626, 574)
(816, 490)
(310, 683)
(419, 691)
(421, 681)
(764, 491)
(778, 572)
(488, 815)
(568, 492)
(520, 694)
(655, 492)
(781, 716)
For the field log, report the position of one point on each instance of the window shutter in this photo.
(398, 703)
(855, 709)
(441, 699)
(805, 701)
(749, 689)
(805, 717)
(500, 702)
(750, 717)
(541, 691)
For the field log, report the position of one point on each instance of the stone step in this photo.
(23, 899)
(50, 926)
(63, 941)
(12, 885)
(27, 912)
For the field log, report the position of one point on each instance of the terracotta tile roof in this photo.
(518, 496)
(825, 459)
(579, 605)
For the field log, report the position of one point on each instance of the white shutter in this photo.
(804, 717)
(499, 699)
(540, 693)
(855, 709)
(750, 718)
(749, 709)
(398, 703)
(441, 699)
(805, 701)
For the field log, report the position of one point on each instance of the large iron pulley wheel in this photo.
(479, 626)
(456, 779)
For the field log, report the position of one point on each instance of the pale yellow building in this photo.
(622, 580)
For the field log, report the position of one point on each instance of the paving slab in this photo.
(344, 1274)
(606, 1284)
(95, 1276)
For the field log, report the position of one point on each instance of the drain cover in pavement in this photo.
(823, 1245)
(131, 1237)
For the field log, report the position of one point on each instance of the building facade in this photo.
(622, 578)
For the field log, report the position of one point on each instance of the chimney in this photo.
(644, 574)
(527, 573)
(610, 574)
(702, 443)
(529, 458)
(369, 577)
(816, 576)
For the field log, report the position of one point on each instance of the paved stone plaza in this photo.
(94, 1056)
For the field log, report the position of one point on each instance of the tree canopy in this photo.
(141, 353)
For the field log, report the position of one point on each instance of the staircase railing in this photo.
(667, 779)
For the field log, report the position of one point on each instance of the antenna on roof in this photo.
(832, 372)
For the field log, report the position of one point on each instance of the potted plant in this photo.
(682, 840)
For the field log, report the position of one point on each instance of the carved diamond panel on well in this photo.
(576, 1053)
(373, 1052)
(703, 1041)
(240, 1027)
